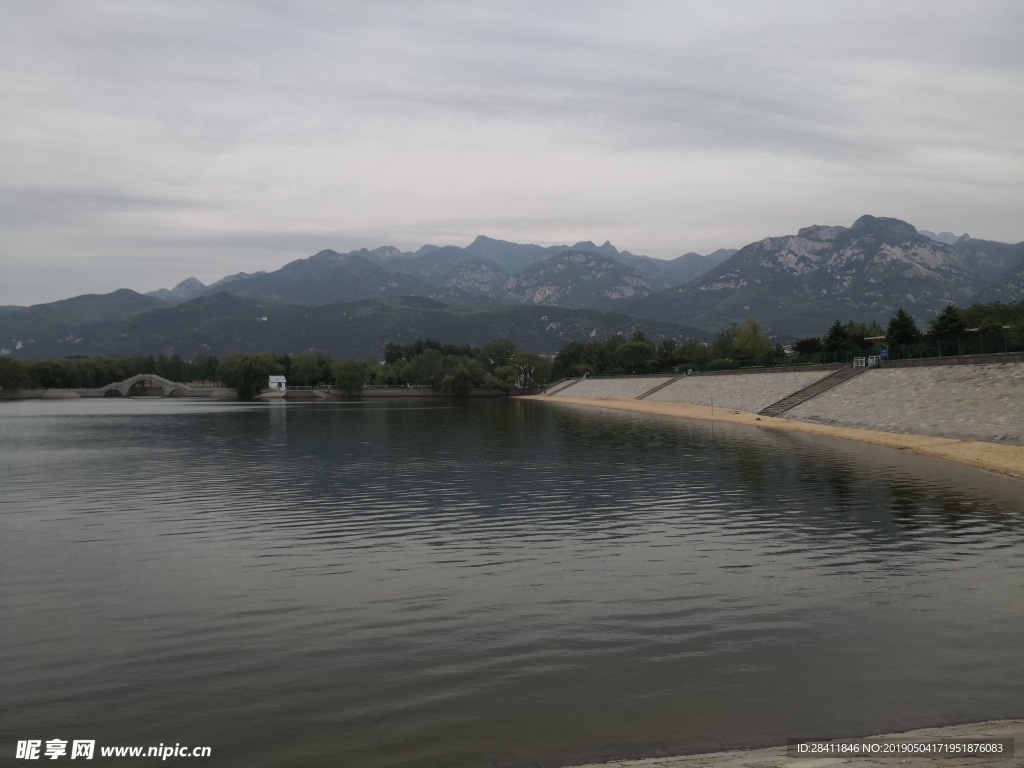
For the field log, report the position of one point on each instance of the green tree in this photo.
(1006, 314)
(636, 354)
(204, 367)
(393, 353)
(425, 368)
(837, 339)
(1016, 335)
(248, 373)
(570, 360)
(310, 369)
(667, 351)
(990, 325)
(497, 354)
(533, 369)
(14, 374)
(721, 347)
(693, 351)
(810, 345)
(461, 374)
(947, 321)
(750, 342)
(350, 375)
(901, 329)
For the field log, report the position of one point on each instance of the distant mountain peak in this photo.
(481, 241)
(882, 225)
(327, 255)
(942, 237)
(188, 283)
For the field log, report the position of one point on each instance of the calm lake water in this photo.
(501, 584)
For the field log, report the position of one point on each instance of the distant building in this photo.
(278, 382)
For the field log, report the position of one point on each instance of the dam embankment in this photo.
(973, 414)
(975, 402)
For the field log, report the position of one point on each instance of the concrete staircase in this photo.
(655, 389)
(557, 387)
(803, 395)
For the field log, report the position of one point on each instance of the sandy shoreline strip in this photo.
(1009, 732)
(993, 457)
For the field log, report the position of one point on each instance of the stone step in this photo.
(660, 386)
(803, 395)
(564, 384)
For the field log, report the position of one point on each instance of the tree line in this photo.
(446, 368)
(93, 372)
(736, 344)
(1000, 322)
(458, 369)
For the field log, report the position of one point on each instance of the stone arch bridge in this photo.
(151, 380)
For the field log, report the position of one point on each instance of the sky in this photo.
(145, 142)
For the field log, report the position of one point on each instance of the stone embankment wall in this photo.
(615, 387)
(984, 402)
(740, 391)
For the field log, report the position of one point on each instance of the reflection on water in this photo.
(495, 584)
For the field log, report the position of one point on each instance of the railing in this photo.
(950, 346)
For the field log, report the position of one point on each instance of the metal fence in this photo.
(948, 345)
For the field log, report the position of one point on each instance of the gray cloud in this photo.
(224, 131)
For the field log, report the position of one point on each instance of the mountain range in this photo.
(542, 297)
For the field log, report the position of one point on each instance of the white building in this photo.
(278, 383)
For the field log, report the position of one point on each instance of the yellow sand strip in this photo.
(994, 457)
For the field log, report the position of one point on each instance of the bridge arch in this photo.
(167, 387)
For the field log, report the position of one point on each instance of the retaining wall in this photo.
(983, 402)
(747, 393)
(616, 387)
(957, 400)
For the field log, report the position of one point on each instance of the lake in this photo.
(489, 584)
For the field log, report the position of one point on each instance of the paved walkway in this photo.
(779, 757)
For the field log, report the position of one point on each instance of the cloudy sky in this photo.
(144, 142)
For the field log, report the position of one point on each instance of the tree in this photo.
(425, 368)
(497, 354)
(248, 373)
(310, 369)
(947, 321)
(636, 354)
(693, 351)
(349, 375)
(393, 353)
(533, 369)
(902, 329)
(837, 339)
(810, 345)
(571, 360)
(461, 374)
(667, 351)
(204, 367)
(721, 347)
(14, 374)
(990, 325)
(1016, 335)
(750, 342)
